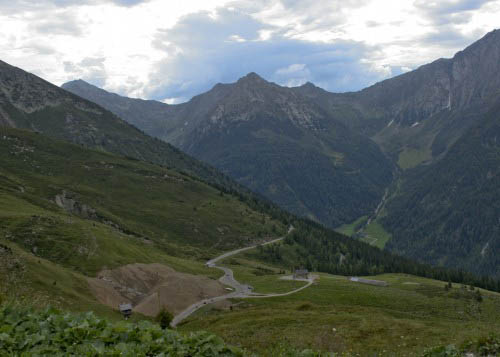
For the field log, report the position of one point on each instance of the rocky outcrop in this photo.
(5, 119)
(66, 201)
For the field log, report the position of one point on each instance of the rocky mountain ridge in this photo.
(425, 106)
(275, 141)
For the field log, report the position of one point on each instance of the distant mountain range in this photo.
(426, 138)
(271, 139)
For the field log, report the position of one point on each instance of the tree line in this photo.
(318, 249)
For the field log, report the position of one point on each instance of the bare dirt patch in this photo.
(149, 287)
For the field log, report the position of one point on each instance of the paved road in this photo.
(240, 290)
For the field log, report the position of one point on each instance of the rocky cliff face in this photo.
(419, 107)
(472, 76)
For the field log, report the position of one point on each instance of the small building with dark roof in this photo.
(301, 274)
(126, 310)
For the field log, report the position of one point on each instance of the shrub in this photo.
(164, 318)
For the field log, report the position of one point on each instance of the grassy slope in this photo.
(32, 103)
(350, 228)
(174, 220)
(375, 234)
(337, 315)
(150, 201)
(410, 157)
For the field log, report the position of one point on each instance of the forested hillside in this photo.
(271, 139)
(327, 251)
(448, 212)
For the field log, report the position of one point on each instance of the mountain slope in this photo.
(145, 114)
(310, 151)
(450, 210)
(275, 142)
(67, 213)
(424, 110)
(29, 102)
(133, 197)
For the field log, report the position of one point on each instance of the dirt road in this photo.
(240, 290)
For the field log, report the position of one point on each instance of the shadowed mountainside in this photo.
(313, 151)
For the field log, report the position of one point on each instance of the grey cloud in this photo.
(320, 14)
(128, 86)
(198, 28)
(449, 11)
(447, 36)
(39, 48)
(64, 22)
(70, 67)
(446, 18)
(92, 62)
(19, 6)
(129, 3)
(203, 50)
(373, 24)
(446, 7)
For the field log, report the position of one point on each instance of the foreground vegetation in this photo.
(28, 332)
(51, 332)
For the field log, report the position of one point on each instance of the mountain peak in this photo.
(76, 82)
(252, 77)
(79, 81)
(493, 33)
(309, 85)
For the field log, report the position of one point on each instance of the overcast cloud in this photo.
(157, 49)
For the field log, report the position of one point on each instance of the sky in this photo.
(173, 50)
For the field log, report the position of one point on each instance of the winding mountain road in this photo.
(240, 290)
